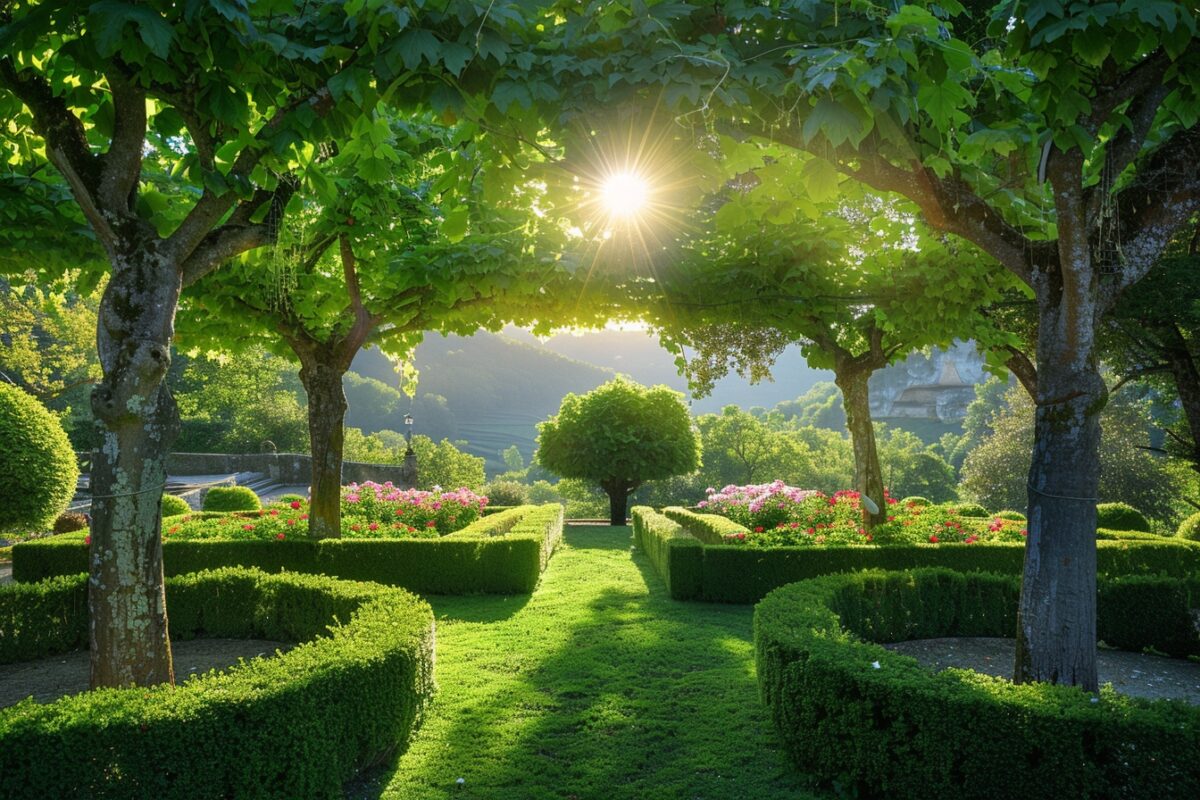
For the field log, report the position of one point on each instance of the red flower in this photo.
(933, 538)
(870, 538)
(972, 539)
(356, 527)
(431, 524)
(279, 536)
(274, 512)
(1024, 532)
(374, 526)
(87, 539)
(290, 522)
(304, 516)
(295, 504)
(759, 529)
(810, 531)
(247, 527)
(891, 519)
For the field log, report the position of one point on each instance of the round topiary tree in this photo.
(231, 498)
(1016, 516)
(618, 436)
(38, 471)
(1190, 528)
(1121, 517)
(915, 500)
(971, 510)
(173, 506)
(506, 493)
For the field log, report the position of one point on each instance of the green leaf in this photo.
(836, 121)
(454, 223)
(416, 44)
(944, 103)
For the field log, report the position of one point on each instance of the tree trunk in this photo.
(1056, 621)
(868, 476)
(137, 421)
(1187, 384)
(618, 501)
(326, 431)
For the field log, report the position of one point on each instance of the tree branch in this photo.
(66, 144)
(121, 166)
(234, 238)
(1020, 364)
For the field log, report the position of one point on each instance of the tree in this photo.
(739, 448)
(910, 467)
(1060, 140)
(856, 299)
(618, 436)
(513, 458)
(182, 131)
(820, 406)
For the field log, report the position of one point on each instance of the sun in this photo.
(624, 194)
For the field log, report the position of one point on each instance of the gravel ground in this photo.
(48, 679)
(1134, 674)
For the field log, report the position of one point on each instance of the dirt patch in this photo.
(48, 679)
(1134, 674)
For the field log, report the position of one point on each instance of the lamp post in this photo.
(409, 470)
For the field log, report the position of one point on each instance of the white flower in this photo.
(461, 781)
(876, 665)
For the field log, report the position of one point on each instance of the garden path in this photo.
(598, 685)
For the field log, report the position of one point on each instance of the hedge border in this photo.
(865, 718)
(297, 725)
(739, 574)
(503, 553)
(676, 555)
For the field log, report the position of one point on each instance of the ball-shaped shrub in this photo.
(1190, 528)
(69, 521)
(916, 500)
(970, 510)
(38, 471)
(173, 506)
(231, 498)
(1016, 516)
(506, 493)
(1121, 517)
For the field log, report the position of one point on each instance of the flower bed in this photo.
(721, 570)
(369, 511)
(776, 515)
(502, 553)
(875, 723)
(296, 725)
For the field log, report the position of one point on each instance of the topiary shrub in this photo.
(971, 510)
(288, 499)
(231, 498)
(1190, 528)
(1016, 516)
(916, 499)
(1121, 517)
(70, 521)
(38, 471)
(173, 506)
(299, 724)
(506, 493)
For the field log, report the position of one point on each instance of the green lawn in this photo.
(596, 686)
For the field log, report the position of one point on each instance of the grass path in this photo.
(596, 686)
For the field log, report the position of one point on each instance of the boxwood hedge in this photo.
(738, 574)
(675, 553)
(876, 723)
(503, 553)
(296, 725)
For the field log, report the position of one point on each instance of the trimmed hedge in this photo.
(1190, 528)
(708, 528)
(296, 725)
(173, 506)
(38, 469)
(1121, 517)
(739, 574)
(677, 555)
(504, 553)
(902, 731)
(231, 498)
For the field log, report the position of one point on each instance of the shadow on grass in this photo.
(633, 695)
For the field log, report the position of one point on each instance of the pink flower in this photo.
(247, 527)
(431, 524)
(280, 536)
(295, 504)
(758, 529)
(87, 539)
(290, 522)
(374, 526)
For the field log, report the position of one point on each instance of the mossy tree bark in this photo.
(868, 475)
(618, 492)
